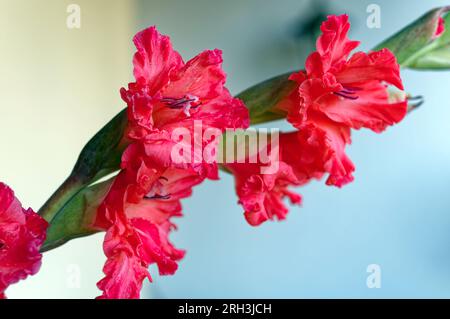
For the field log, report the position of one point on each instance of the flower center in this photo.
(348, 92)
(157, 189)
(186, 103)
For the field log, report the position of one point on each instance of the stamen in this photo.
(158, 196)
(413, 98)
(186, 103)
(345, 91)
(416, 102)
(180, 104)
(352, 88)
(348, 92)
(346, 96)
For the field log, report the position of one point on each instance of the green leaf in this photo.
(415, 42)
(261, 98)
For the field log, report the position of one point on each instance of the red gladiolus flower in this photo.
(171, 95)
(334, 95)
(261, 193)
(169, 100)
(338, 93)
(138, 233)
(22, 233)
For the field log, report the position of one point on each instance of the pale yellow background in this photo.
(58, 86)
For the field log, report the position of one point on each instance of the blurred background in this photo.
(58, 86)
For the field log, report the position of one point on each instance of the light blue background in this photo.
(395, 214)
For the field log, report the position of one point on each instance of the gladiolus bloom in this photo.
(168, 96)
(335, 94)
(339, 92)
(138, 233)
(261, 195)
(22, 233)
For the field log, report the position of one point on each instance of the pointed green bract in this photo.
(416, 45)
(102, 154)
(75, 219)
(437, 55)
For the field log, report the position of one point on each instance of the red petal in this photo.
(380, 65)
(339, 165)
(261, 195)
(371, 109)
(306, 151)
(333, 45)
(202, 77)
(155, 245)
(154, 60)
(124, 270)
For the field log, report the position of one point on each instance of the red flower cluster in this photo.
(175, 109)
(22, 233)
(335, 94)
(168, 95)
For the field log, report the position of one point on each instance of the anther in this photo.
(158, 196)
(346, 96)
(348, 92)
(414, 102)
(186, 103)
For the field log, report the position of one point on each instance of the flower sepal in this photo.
(77, 217)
